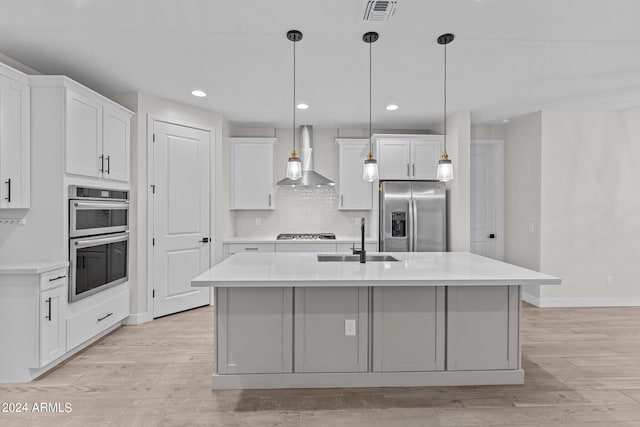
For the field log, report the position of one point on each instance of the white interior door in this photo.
(181, 213)
(487, 198)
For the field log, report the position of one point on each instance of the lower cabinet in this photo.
(331, 329)
(53, 331)
(254, 330)
(408, 329)
(483, 328)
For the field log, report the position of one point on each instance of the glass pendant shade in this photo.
(445, 170)
(294, 167)
(370, 170)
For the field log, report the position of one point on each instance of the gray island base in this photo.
(428, 319)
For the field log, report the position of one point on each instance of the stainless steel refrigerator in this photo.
(413, 216)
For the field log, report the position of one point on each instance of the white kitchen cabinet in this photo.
(252, 174)
(354, 192)
(53, 331)
(33, 309)
(408, 157)
(15, 140)
(97, 137)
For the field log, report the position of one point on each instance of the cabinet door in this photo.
(83, 136)
(483, 327)
(424, 158)
(254, 330)
(408, 328)
(53, 333)
(115, 144)
(14, 144)
(331, 329)
(355, 193)
(252, 173)
(394, 159)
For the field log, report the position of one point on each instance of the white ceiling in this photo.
(510, 57)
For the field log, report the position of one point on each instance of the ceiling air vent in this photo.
(378, 10)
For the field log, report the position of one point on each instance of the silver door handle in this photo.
(414, 170)
(101, 205)
(342, 200)
(101, 163)
(269, 200)
(410, 234)
(102, 241)
(49, 315)
(109, 165)
(415, 225)
(408, 174)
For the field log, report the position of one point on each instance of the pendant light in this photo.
(294, 165)
(445, 167)
(370, 170)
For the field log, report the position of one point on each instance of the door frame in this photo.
(498, 144)
(151, 119)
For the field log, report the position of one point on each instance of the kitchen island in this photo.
(428, 318)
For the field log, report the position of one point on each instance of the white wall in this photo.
(522, 159)
(146, 105)
(591, 207)
(498, 131)
(303, 210)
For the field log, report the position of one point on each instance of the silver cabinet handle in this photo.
(250, 249)
(342, 200)
(101, 163)
(414, 170)
(109, 165)
(408, 174)
(269, 200)
(57, 278)
(8, 182)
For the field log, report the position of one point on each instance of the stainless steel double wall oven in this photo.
(98, 240)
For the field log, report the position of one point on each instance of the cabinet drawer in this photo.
(305, 247)
(53, 279)
(347, 247)
(251, 247)
(96, 319)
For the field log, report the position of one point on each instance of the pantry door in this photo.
(180, 194)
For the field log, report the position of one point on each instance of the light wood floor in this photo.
(582, 369)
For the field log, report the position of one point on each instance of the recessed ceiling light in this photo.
(392, 107)
(198, 93)
(302, 106)
(506, 120)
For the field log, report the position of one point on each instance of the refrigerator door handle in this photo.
(410, 234)
(415, 224)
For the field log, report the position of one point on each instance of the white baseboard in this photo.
(581, 302)
(137, 319)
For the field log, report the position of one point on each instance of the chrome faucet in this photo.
(361, 251)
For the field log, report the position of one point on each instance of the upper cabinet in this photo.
(408, 157)
(95, 131)
(15, 140)
(354, 193)
(98, 137)
(252, 176)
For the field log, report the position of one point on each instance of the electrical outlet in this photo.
(258, 221)
(350, 327)
(609, 281)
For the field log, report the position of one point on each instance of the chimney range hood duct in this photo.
(310, 178)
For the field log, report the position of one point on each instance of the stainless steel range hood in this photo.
(310, 178)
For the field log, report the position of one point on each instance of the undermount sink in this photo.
(355, 258)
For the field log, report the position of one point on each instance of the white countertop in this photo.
(32, 267)
(272, 239)
(413, 269)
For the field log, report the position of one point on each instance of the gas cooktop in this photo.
(307, 236)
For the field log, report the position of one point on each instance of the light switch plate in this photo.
(350, 327)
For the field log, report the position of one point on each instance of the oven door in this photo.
(97, 263)
(90, 217)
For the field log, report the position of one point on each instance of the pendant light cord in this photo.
(445, 99)
(370, 86)
(294, 97)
